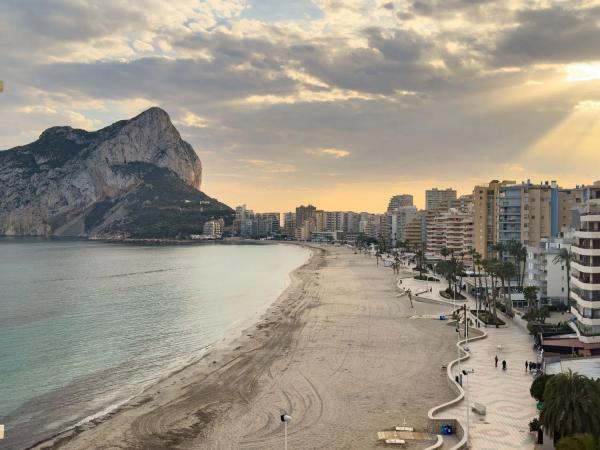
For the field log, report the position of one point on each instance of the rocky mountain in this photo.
(133, 179)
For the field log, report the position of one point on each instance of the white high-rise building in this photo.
(585, 271)
(548, 276)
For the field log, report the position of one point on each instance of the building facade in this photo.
(485, 199)
(453, 230)
(400, 200)
(548, 276)
(529, 213)
(585, 270)
(436, 198)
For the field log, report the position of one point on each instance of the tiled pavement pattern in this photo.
(504, 393)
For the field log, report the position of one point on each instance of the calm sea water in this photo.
(87, 325)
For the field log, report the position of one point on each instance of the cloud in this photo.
(557, 34)
(400, 84)
(269, 166)
(190, 119)
(334, 152)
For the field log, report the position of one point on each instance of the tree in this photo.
(571, 405)
(506, 271)
(519, 253)
(499, 248)
(565, 257)
(538, 386)
(420, 255)
(450, 268)
(492, 266)
(578, 442)
(530, 294)
(445, 252)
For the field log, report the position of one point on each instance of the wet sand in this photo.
(337, 351)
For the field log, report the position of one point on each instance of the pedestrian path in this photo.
(505, 394)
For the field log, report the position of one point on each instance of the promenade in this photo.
(505, 394)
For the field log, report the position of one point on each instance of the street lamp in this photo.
(285, 419)
(466, 372)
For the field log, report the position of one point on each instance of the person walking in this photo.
(496, 361)
(503, 364)
(526, 365)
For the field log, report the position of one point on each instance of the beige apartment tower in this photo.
(485, 230)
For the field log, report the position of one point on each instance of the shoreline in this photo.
(336, 350)
(236, 336)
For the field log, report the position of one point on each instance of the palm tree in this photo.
(565, 256)
(420, 255)
(571, 405)
(499, 248)
(506, 272)
(491, 266)
(445, 252)
(578, 442)
(519, 253)
(477, 266)
(530, 294)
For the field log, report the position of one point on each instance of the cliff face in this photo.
(54, 186)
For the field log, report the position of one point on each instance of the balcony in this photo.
(585, 268)
(587, 234)
(585, 286)
(585, 251)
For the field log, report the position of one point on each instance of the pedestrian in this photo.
(526, 365)
(503, 364)
(430, 289)
(496, 361)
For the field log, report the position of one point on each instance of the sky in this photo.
(340, 103)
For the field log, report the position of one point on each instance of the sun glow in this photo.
(583, 72)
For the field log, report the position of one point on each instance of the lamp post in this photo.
(285, 419)
(466, 372)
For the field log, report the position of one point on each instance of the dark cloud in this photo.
(446, 7)
(551, 35)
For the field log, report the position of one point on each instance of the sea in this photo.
(86, 326)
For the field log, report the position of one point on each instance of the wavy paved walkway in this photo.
(504, 393)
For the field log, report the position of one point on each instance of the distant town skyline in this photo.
(338, 103)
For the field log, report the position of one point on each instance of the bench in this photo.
(395, 441)
(478, 408)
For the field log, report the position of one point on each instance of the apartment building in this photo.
(397, 220)
(416, 230)
(400, 200)
(436, 198)
(585, 271)
(485, 212)
(289, 224)
(213, 228)
(453, 230)
(548, 276)
(529, 213)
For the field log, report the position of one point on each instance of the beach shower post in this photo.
(285, 419)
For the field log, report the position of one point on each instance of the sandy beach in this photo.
(337, 351)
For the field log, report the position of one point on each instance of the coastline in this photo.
(336, 350)
(237, 336)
